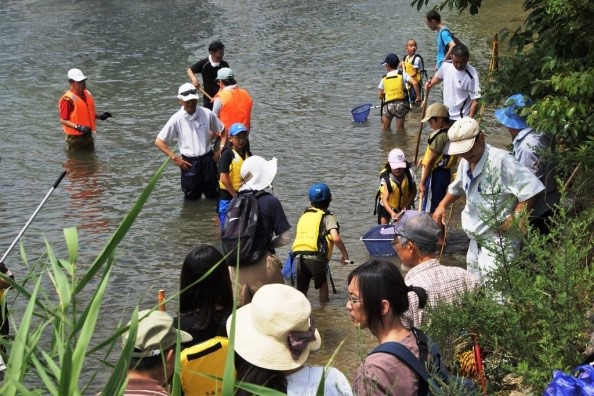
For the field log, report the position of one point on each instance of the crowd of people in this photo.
(273, 327)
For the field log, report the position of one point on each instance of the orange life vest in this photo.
(236, 107)
(83, 113)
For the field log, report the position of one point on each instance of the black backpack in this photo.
(241, 236)
(423, 72)
(429, 366)
(454, 38)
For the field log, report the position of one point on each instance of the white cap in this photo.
(397, 159)
(76, 75)
(187, 92)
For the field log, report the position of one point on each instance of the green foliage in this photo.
(530, 314)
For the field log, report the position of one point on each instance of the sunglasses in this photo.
(190, 92)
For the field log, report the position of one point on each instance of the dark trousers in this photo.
(201, 178)
(440, 180)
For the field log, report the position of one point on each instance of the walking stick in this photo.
(331, 280)
(445, 231)
(423, 109)
(205, 94)
(161, 299)
(33, 216)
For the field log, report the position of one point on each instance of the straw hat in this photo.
(257, 173)
(277, 317)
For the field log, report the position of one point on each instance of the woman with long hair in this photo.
(377, 298)
(204, 306)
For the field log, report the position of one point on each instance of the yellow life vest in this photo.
(234, 171)
(409, 68)
(399, 193)
(208, 357)
(394, 88)
(309, 240)
(443, 160)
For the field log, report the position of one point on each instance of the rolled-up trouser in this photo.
(201, 177)
(252, 277)
(80, 142)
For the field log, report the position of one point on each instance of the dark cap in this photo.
(392, 60)
(418, 227)
(319, 192)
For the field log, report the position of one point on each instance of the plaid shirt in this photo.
(442, 284)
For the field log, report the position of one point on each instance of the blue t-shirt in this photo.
(444, 36)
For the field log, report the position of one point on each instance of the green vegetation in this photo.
(531, 315)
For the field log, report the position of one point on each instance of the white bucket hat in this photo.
(257, 173)
(275, 331)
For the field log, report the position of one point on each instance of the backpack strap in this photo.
(404, 354)
(432, 138)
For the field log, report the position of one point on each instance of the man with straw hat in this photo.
(415, 242)
(258, 174)
(153, 357)
(497, 188)
(275, 334)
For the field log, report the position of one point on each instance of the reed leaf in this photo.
(59, 280)
(66, 376)
(44, 375)
(71, 237)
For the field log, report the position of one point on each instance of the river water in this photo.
(306, 65)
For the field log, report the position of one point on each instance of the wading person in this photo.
(445, 41)
(260, 265)
(317, 233)
(461, 86)
(377, 298)
(415, 242)
(436, 172)
(275, 334)
(194, 128)
(529, 148)
(393, 94)
(78, 113)
(208, 68)
(397, 189)
(414, 66)
(153, 358)
(232, 104)
(497, 189)
(230, 168)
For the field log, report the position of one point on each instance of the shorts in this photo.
(383, 213)
(308, 268)
(398, 109)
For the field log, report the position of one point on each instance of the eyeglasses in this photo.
(353, 300)
(190, 92)
(243, 137)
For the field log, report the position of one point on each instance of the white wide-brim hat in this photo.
(263, 327)
(257, 173)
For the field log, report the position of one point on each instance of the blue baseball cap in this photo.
(237, 128)
(509, 114)
(392, 60)
(319, 192)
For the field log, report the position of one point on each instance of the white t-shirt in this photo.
(459, 89)
(193, 132)
(305, 382)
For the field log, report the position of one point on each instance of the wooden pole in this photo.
(161, 299)
(423, 109)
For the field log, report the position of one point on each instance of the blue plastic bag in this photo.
(579, 383)
(290, 267)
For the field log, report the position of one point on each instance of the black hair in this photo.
(380, 280)
(322, 204)
(215, 46)
(256, 375)
(461, 51)
(433, 16)
(201, 298)
(229, 81)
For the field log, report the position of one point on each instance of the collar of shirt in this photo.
(522, 134)
(234, 86)
(417, 269)
(212, 63)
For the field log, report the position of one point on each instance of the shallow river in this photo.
(306, 64)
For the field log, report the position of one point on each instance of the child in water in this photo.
(414, 66)
(397, 188)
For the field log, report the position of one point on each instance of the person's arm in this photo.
(224, 177)
(412, 195)
(450, 45)
(217, 104)
(66, 109)
(439, 216)
(518, 210)
(177, 159)
(282, 239)
(431, 83)
(385, 198)
(428, 162)
(193, 78)
(473, 108)
(339, 243)
(380, 94)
